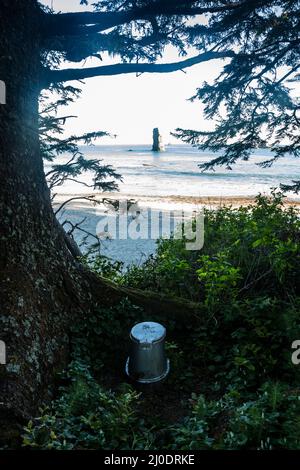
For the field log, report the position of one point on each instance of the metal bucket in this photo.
(147, 362)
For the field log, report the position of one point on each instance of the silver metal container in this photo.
(147, 362)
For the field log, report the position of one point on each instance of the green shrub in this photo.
(270, 419)
(102, 337)
(88, 417)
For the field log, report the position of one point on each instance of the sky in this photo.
(132, 106)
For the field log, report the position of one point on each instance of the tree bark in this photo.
(39, 284)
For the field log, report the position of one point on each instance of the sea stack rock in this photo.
(158, 145)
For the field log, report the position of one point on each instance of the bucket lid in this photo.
(148, 332)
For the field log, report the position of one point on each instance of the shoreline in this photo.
(166, 202)
(135, 251)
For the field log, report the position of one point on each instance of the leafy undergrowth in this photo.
(232, 383)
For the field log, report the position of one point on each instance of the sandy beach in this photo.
(136, 251)
(164, 182)
(170, 202)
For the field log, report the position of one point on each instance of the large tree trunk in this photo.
(42, 288)
(38, 283)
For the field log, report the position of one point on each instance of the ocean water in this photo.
(176, 172)
(152, 178)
